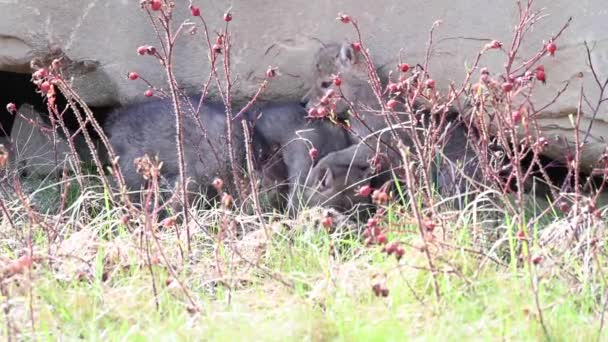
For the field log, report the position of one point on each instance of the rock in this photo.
(32, 150)
(100, 39)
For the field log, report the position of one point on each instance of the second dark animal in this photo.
(289, 137)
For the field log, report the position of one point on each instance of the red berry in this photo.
(321, 112)
(125, 219)
(392, 104)
(227, 17)
(217, 48)
(393, 87)
(551, 47)
(149, 93)
(313, 153)
(382, 197)
(45, 86)
(195, 11)
(11, 107)
(156, 5)
(343, 18)
(399, 251)
(429, 225)
(226, 200)
(312, 112)
(168, 222)
(430, 83)
(327, 221)
(495, 44)
(133, 76)
(391, 248)
(404, 67)
(356, 46)
(40, 73)
(372, 222)
(563, 206)
(151, 50)
(537, 259)
(516, 116)
(337, 81)
(218, 184)
(365, 190)
(381, 239)
(507, 87)
(142, 50)
(484, 71)
(540, 75)
(271, 72)
(377, 288)
(521, 235)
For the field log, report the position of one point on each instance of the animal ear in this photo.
(347, 55)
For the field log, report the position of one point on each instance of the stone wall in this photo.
(102, 37)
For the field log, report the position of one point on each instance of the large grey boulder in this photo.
(101, 38)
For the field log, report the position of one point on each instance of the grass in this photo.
(302, 284)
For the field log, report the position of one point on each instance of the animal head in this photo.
(333, 183)
(346, 63)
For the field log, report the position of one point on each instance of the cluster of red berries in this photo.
(394, 248)
(373, 234)
(318, 112)
(143, 50)
(45, 82)
(146, 49)
(512, 83)
(327, 104)
(380, 289)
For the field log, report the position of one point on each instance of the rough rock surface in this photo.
(101, 38)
